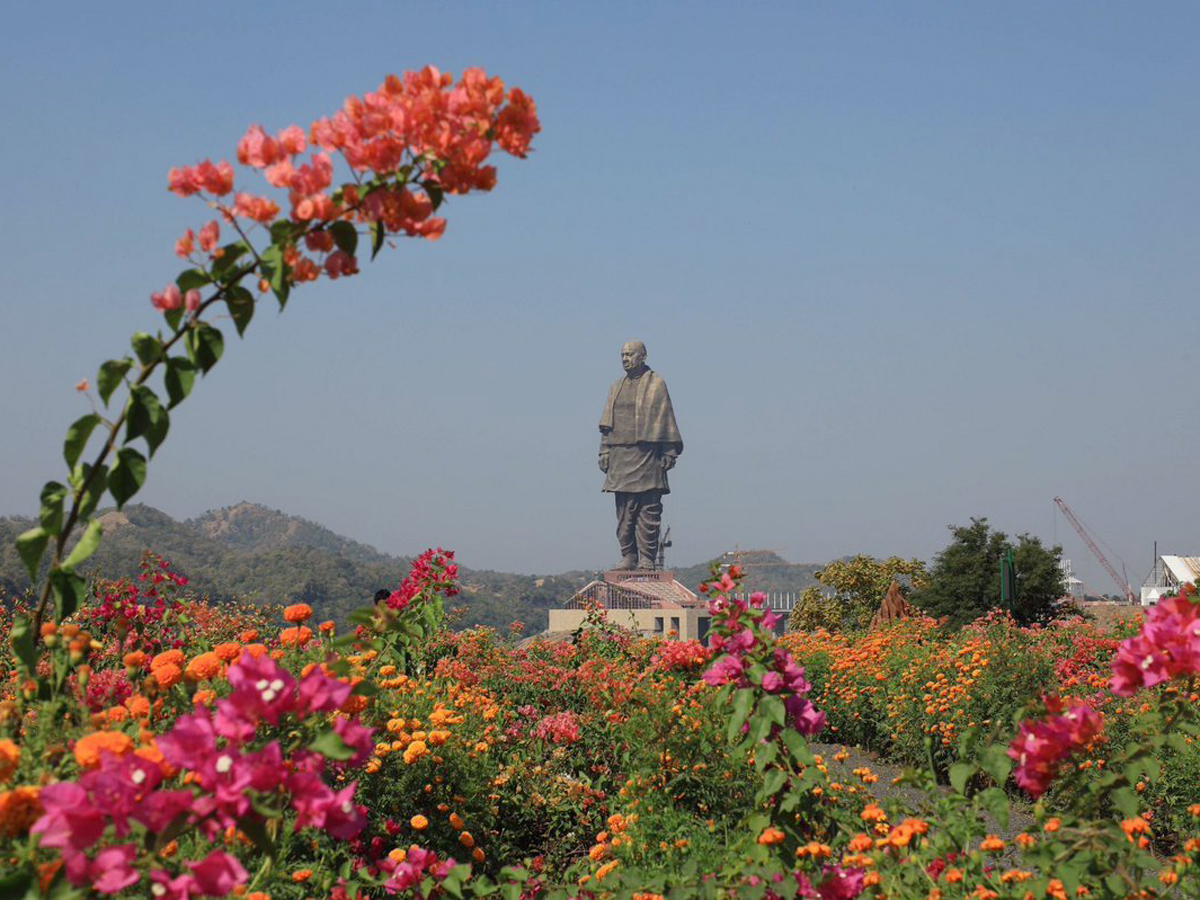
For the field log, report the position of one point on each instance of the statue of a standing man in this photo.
(639, 442)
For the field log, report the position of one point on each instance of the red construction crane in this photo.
(1122, 584)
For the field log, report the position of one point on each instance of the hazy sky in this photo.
(899, 264)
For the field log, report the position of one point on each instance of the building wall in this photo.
(688, 624)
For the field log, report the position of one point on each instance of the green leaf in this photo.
(127, 476)
(31, 545)
(960, 774)
(772, 708)
(146, 417)
(230, 254)
(742, 701)
(1153, 767)
(995, 801)
(205, 345)
(173, 317)
(1126, 801)
(435, 192)
(95, 487)
(51, 513)
(330, 745)
(378, 232)
(179, 378)
(77, 437)
(241, 307)
(345, 236)
(284, 232)
(85, 547)
(192, 278)
(68, 589)
(798, 747)
(20, 638)
(997, 763)
(110, 376)
(277, 272)
(772, 782)
(147, 347)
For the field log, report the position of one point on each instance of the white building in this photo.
(651, 603)
(1170, 573)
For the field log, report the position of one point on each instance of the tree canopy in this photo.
(964, 582)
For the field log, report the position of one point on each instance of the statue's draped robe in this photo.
(637, 430)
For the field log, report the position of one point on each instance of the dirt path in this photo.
(913, 799)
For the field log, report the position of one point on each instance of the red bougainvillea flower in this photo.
(1041, 746)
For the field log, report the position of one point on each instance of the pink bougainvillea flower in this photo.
(191, 300)
(257, 148)
(1042, 745)
(164, 887)
(260, 209)
(1167, 647)
(185, 245)
(218, 874)
(112, 870)
(169, 298)
(210, 234)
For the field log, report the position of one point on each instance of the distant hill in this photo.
(251, 551)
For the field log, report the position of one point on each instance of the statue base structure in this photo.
(648, 601)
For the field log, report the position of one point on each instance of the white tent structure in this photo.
(1170, 573)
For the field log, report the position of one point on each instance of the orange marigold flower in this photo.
(10, 754)
(203, 667)
(414, 751)
(116, 714)
(247, 636)
(1052, 824)
(1136, 825)
(419, 822)
(466, 839)
(255, 650)
(984, 893)
(167, 675)
(872, 813)
(89, 748)
(228, 651)
(1056, 889)
(954, 876)
(297, 613)
(135, 660)
(398, 855)
(138, 706)
(456, 822)
(991, 844)
(301, 875)
(1194, 809)
(295, 637)
(606, 870)
(771, 835)
(478, 855)
(19, 809)
(167, 657)
(861, 842)
(204, 697)
(326, 627)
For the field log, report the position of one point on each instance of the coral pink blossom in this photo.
(257, 148)
(210, 234)
(191, 300)
(260, 209)
(1041, 746)
(168, 299)
(340, 263)
(291, 140)
(184, 246)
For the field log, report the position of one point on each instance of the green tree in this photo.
(964, 583)
(857, 586)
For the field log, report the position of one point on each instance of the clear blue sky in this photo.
(900, 265)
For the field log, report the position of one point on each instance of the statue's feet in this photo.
(647, 565)
(628, 564)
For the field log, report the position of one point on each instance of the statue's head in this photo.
(633, 357)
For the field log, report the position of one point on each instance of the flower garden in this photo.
(159, 746)
(154, 744)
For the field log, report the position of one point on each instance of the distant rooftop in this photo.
(635, 590)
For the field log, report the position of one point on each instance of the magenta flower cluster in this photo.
(743, 632)
(1167, 647)
(1043, 745)
(228, 777)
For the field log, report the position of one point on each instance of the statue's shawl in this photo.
(654, 419)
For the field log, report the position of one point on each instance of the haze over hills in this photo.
(250, 551)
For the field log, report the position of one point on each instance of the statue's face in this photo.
(633, 357)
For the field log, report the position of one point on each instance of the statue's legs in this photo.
(627, 515)
(649, 521)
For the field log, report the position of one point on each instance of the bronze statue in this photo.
(639, 442)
